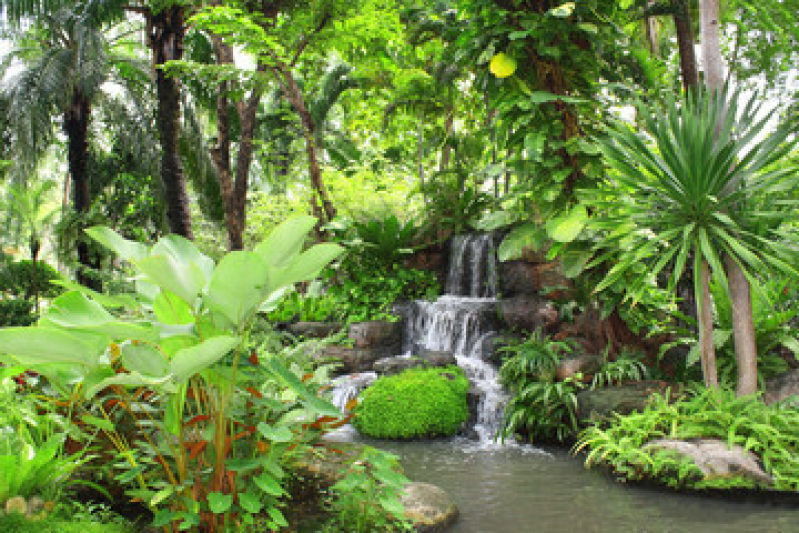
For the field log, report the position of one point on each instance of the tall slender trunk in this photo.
(326, 212)
(711, 44)
(705, 320)
(743, 328)
(685, 42)
(446, 152)
(234, 188)
(166, 30)
(740, 290)
(420, 155)
(76, 128)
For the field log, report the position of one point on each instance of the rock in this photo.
(377, 334)
(528, 313)
(782, 387)
(552, 284)
(352, 360)
(585, 364)
(314, 330)
(518, 278)
(17, 504)
(599, 404)
(428, 507)
(388, 366)
(437, 358)
(35, 505)
(715, 458)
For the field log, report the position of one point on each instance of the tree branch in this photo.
(307, 39)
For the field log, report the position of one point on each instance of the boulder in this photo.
(552, 284)
(352, 360)
(528, 313)
(388, 366)
(518, 278)
(782, 387)
(715, 458)
(314, 330)
(377, 334)
(599, 404)
(585, 364)
(437, 358)
(428, 507)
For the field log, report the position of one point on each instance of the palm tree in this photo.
(62, 67)
(703, 189)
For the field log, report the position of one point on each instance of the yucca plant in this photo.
(699, 188)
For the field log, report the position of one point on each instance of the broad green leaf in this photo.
(307, 265)
(106, 300)
(124, 248)
(38, 345)
(285, 241)
(573, 262)
(277, 517)
(529, 236)
(275, 434)
(169, 309)
(189, 361)
(130, 379)
(534, 145)
(250, 502)
(568, 226)
(542, 97)
(238, 286)
(186, 280)
(144, 359)
(75, 310)
(219, 503)
(185, 253)
(268, 484)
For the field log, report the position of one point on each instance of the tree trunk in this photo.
(446, 152)
(166, 31)
(685, 41)
(327, 211)
(420, 155)
(76, 128)
(705, 320)
(711, 44)
(743, 328)
(234, 191)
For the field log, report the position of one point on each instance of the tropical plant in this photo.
(542, 410)
(535, 357)
(418, 403)
(204, 449)
(702, 191)
(769, 431)
(367, 497)
(627, 366)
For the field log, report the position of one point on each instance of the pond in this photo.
(521, 489)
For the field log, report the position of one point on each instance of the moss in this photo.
(417, 403)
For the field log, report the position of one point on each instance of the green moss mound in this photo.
(417, 403)
(14, 523)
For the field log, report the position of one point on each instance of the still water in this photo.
(522, 489)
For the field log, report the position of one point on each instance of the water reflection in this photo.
(521, 489)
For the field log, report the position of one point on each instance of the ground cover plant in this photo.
(417, 403)
(770, 431)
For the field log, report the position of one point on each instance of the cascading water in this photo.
(461, 322)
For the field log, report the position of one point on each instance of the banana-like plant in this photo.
(176, 365)
(703, 187)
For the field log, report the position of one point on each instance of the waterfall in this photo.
(463, 322)
(472, 266)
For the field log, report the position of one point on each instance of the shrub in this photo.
(416, 403)
(769, 431)
(16, 313)
(26, 279)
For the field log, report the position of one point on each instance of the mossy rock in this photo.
(418, 403)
